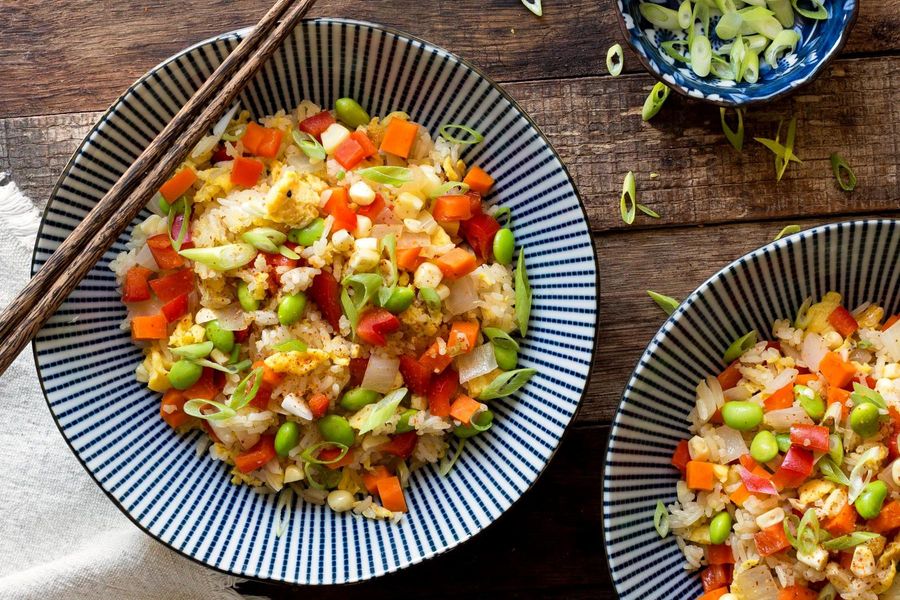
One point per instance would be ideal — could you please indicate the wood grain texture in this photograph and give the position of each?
(85, 67)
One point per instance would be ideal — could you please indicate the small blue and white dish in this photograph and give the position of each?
(854, 258)
(820, 41)
(185, 499)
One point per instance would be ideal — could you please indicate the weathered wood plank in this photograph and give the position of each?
(548, 546)
(51, 66)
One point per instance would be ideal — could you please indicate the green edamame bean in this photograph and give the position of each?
(836, 449)
(350, 112)
(335, 428)
(399, 300)
(221, 338)
(308, 235)
(764, 447)
(248, 302)
(184, 374)
(356, 398)
(810, 401)
(742, 415)
(864, 419)
(504, 246)
(403, 425)
(784, 442)
(507, 358)
(869, 502)
(720, 528)
(286, 438)
(291, 308)
(483, 420)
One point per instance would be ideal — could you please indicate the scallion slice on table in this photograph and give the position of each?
(735, 137)
(654, 101)
(788, 230)
(841, 169)
(473, 137)
(784, 155)
(661, 519)
(667, 303)
(627, 208)
(615, 58)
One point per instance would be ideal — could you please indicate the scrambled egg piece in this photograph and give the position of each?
(294, 199)
(296, 363)
(477, 385)
(187, 332)
(216, 184)
(156, 369)
(816, 318)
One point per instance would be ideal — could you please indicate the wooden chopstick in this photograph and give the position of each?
(87, 243)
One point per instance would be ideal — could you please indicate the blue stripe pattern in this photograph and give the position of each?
(86, 361)
(852, 258)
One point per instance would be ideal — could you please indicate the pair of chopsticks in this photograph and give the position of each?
(81, 250)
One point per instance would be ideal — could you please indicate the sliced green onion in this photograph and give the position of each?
(310, 146)
(827, 593)
(350, 310)
(685, 14)
(430, 297)
(365, 287)
(449, 188)
(701, 55)
(222, 258)
(669, 48)
(182, 206)
(446, 464)
(785, 41)
(756, 43)
(192, 407)
(667, 303)
(750, 67)
(504, 212)
(735, 138)
(720, 68)
(309, 455)
(394, 176)
(241, 396)
(660, 16)
(850, 540)
(291, 346)
(783, 154)
(481, 422)
(840, 166)
(736, 55)
(615, 60)
(739, 346)
(534, 6)
(808, 532)
(791, 521)
(500, 338)
(288, 253)
(473, 136)
(729, 26)
(628, 209)
(647, 211)
(235, 354)
(389, 243)
(523, 294)
(862, 395)
(802, 318)
(831, 471)
(661, 519)
(283, 511)
(265, 239)
(819, 14)
(506, 383)
(836, 449)
(383, 410)
(230, 369)
(341, 174)
(193, 351)
(237, 134)
(760, 20)
(313, 471)
(864, 345)
(783, 12)
(788, 230)
(654, 101)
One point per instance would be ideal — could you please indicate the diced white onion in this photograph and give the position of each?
(379, 231)
(144, 257)
(144, 309)
(222, 124)
(231, 318)
(733, 444)
(476, 363)
(813, 351)
(208, 142)
(782, 419)
(297, 406)
(709, 398)
(381, 373)
(781, 380)
(463, 296)
(890, 339)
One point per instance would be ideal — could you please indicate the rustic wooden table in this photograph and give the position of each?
(62, 62)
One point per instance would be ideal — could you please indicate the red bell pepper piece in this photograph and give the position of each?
(173, 285)
(317, 124)
(442, 389)
(257, 456)
(810, 437)
(242, 335)
(784, 479)
(262, 141)
(416, 376)
(401, 445)
(479, 232)
(219, 154)
(681, 456)
(363, 140)
(798, 460)
(246, 171)
(354, 150)
(175, 308)
(163, 253)
(136, 287)
(730, 376)
(279, 260)
(358, 368)
(771, 540)
(755, 483)
(338, 206)
(843, 322)
(474, 202)
(374, 324)
(719, 554)
(374, 209)
(318, 405)
(325, 291)
(715, 576)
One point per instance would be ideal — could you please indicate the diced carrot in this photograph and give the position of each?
(714, 594)
(433, 360)
(246, 171)
(740, 495)
(447, 209)
(399, 137)
(463, 336)
(719, 554)
(163, 253)
(206, 388)
(173, 285)
(270, 377)
(338, 206)
(478, 180)
(771, 540)
(151, 327)
(177, 417)
(257, 456)
(349, 153)
(456, 263)
(408, 258)
(840, 396)
(843, 322)
(681, 456)
(890, 322)
(797, 592)
(838, 372)
(806, 378)
(699, 475)
(318, 405)
(888, 519)
(391, 494)
(783, 398)
(463, 408)
(373, 476)
(842, 523)
(136, 287)
(178, 184)
(402, 444)
(730, 376)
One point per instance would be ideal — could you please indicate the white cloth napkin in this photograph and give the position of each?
(60, 538)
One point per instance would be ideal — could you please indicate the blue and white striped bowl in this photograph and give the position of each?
(857, 259)
(86, 362)
(820, 42)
